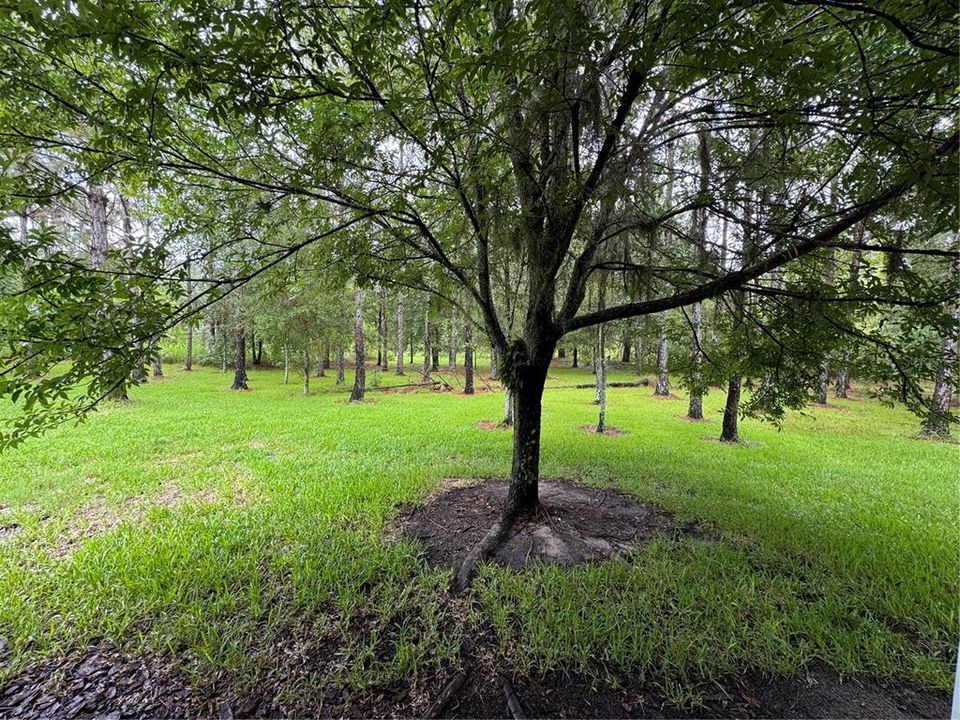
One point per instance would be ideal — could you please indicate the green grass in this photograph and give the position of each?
(205, 524)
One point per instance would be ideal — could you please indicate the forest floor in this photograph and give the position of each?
(199, 551)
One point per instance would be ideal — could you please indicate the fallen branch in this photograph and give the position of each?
(431, 383)
(446, 695)
(513, 702)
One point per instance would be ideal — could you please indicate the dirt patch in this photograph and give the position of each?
(490, 425)
(608, 431)
(577, 524)
(103, 683)
(822, 694)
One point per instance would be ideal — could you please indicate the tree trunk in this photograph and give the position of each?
(525, 473)
(321, 369)
(494, 369)
(380, 340)
(627, 347)
(426, 339)
(97, 200)
(576, 357)
(360, 378)
(468, 359)
(240, 362)
(561, 353)
(638, 353)
(938, 418)
(306, 370)
(385, 332)
(452, 349)
(326, 356)
(340, 362)
(188, 354)
(822, 383)
(843, 377)
(286, 363)
(401, 334)
(259, 351)
(695, 411)
(663, 374)
(435, 358)
(155, 359)
(601, 378)
(731, 411)
(508, 408)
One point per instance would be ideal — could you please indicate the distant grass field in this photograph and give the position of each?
(204, 523)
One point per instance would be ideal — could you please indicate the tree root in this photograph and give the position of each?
(495, 536)
(513, 702)
(447, 694)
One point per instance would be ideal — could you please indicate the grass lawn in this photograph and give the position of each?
(206, 525)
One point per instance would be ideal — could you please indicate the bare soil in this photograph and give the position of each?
(608, 431)
(576, 524)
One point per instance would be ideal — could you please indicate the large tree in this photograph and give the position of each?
(449, 142)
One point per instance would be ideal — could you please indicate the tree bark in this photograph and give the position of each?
(494, 365)
(822, 383)
(467, 359)
(286, 363)
(601, 379)
(188, 354)
(385, 331)
(452, 349)
(525, 473)
(340, 362)
(695, 411)
(663, 373)
(426, 338)
(401, 334)
(435, 358)
(938, 418)
(627, 347)
(508, 408)
(97, 199)
(155, 359)
(240, 361)
(731, 411)
(360, 377)
(576, 357)
(306, 370)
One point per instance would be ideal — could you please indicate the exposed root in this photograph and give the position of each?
(447, 694)
(513, 702)
(495, 536)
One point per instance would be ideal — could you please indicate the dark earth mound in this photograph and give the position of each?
(576, 524)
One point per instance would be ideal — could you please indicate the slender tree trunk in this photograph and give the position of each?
(427, 354)
(360, 379)
(412, 349)
(843, 377)
(731, 411)
(401, 334)
(627, 347)
(286, 362)
(435, 358)
(188, 354)
(601, 378)
(306, 370)
(467, 359)
(663, 373)
(321, 363)
(576, 357)
(326, 356)
(340, 362)
(508, 408)
(385, 331)
(380, 340)
(695, 411)
(97, 199)
(452, 348)
(638, 352)
(259, 351)
(240, 361)
(494, 364)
